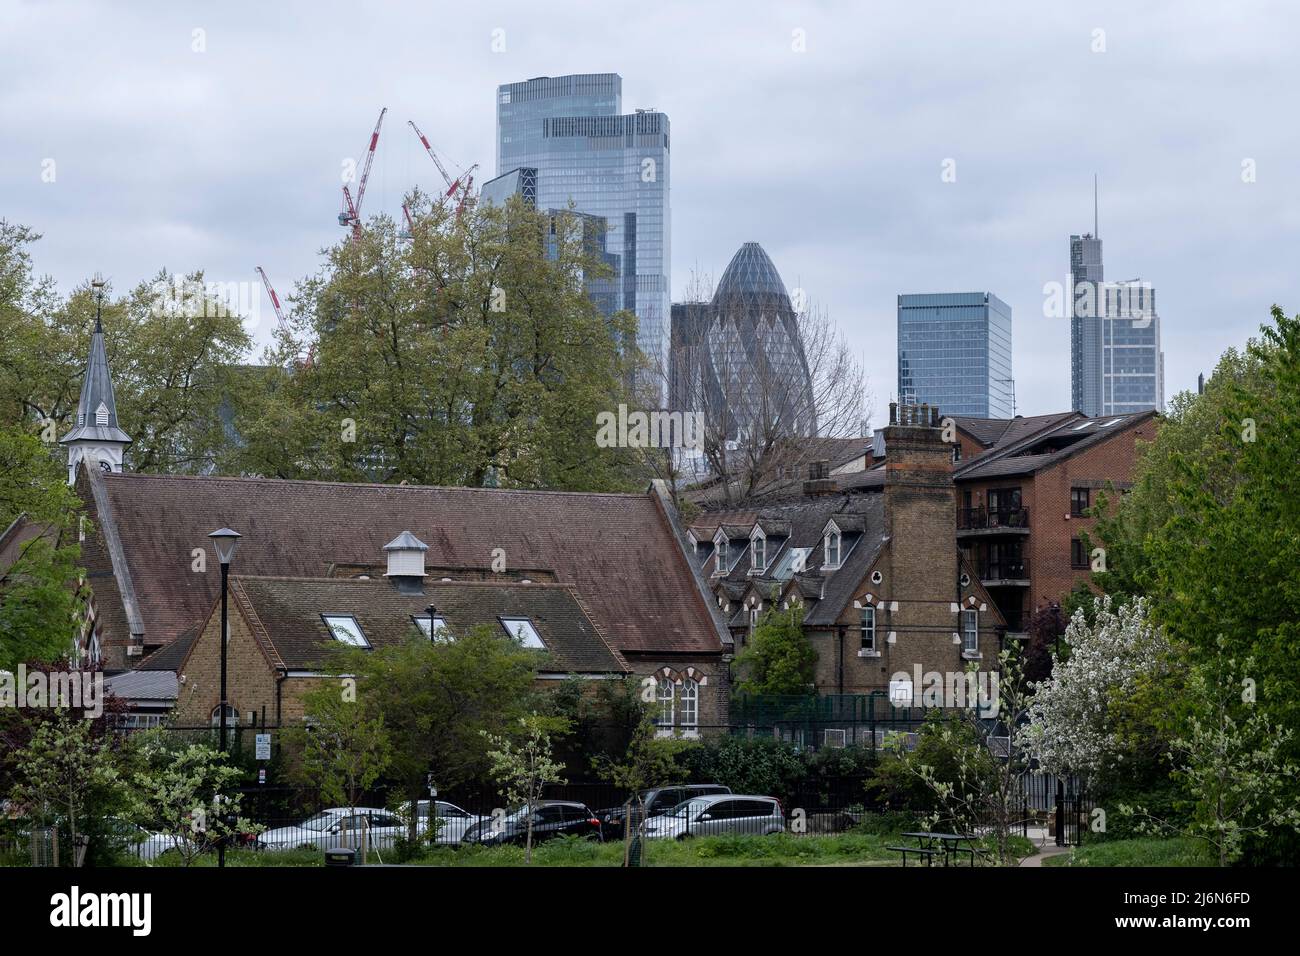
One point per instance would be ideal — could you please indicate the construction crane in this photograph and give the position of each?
(279, 313)
(351, 213)
(461, 184)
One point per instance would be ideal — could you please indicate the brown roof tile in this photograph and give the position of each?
(618, 550)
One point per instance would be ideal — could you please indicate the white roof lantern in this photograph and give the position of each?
(406, 556)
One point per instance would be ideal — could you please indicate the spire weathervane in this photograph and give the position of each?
(98, 284)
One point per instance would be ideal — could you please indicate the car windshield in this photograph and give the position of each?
(320, 821)
(687, 808)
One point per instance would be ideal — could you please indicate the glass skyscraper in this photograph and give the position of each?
(954, 351)
(1116, 365)
(587, 153)
(739, 358)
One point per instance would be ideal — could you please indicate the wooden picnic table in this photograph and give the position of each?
(931, 844)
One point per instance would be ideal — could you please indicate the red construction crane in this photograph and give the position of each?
(351, 214)
(279, 313)
(275, 299)
(461, 184)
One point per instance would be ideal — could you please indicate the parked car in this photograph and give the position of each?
(455, 821)
(657, 800)
(551, 818)
(716, 815)
(336, 828)
(139, 842)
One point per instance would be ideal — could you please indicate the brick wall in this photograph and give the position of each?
(1047, 496)
(250, 679)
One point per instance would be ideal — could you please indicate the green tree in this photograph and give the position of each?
(60, 770)
(1230, 760)
(1211, 530)
(40, 607)
(174, 344)
(186, 792)
(779, 658)
(469, 354)
(436, 699)
(524, 766)
(344, 749)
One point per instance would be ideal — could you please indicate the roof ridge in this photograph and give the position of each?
(379, 484)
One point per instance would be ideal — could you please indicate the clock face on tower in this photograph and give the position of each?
(105, 465)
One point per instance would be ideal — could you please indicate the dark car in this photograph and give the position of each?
(657, 800)
(551, 818)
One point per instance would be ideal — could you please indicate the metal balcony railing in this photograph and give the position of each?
(981, 518)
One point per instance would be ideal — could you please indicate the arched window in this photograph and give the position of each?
(690, 704)
(832, 555)
(667, 691)
(232, 721)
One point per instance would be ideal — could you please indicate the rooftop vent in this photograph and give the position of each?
(406, 562)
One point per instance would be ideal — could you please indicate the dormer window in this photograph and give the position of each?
(721, 544)
(101, 415)
(832, 545)
(758, 551)
(522, 630)
(345, 629)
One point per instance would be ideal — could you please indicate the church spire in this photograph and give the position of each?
(96, 437)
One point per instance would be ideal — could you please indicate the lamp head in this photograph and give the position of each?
(225, 541)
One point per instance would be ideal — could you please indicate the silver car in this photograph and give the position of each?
(454, 821)
(728, 813)
(337, 828)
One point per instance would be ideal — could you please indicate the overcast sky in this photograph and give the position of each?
(222, 149)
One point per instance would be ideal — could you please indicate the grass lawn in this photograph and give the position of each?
(1178, 851)
(843, 849)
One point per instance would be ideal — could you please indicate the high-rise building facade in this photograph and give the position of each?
(1116, 365)
(954, 351)
(604, 163)
(739, 359)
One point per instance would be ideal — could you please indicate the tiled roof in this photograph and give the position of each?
(288, 614)
(618, 550)
(170, 656)
(1044, 447)
(862, 519)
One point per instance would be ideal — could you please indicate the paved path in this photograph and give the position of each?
(1043, 853)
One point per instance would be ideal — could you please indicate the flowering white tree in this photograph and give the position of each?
(1072, 726)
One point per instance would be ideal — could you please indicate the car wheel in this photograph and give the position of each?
(685, 836)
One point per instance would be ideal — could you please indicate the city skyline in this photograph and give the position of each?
(833, 157)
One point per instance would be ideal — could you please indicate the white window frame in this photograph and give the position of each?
(329, 620)
(758, 551)
(833, 535)
(439, 631)
(720, 549)
(666, 698)
(524, 631)
(865, 628)
(690, 698)
(968, 616)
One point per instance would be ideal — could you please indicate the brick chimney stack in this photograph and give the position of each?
(920, 505)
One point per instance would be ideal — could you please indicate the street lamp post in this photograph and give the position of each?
(225, 542)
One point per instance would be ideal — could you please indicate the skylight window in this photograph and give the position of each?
(1079, 428)
(346, 630)
(522, 630)
(439, 630)
(1113, 421)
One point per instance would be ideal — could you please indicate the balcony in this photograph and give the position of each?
(1005, 572)
(972, 522)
